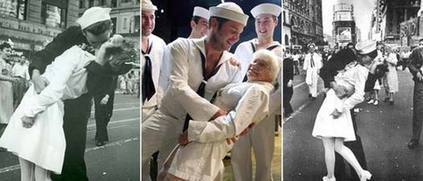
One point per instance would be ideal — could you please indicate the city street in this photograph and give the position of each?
(116, 161)
(385, 130)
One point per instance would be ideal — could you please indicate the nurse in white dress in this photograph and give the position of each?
(161, 130)
(35, 132)
(247, 103)
(333, 121)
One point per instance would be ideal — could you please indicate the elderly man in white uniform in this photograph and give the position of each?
(261, 137)
(312, 65)
(204, 142)
(153, 50)
(200, 68)
(199, 22)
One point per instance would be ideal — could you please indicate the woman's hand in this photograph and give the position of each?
(27, 122)
(183, 138)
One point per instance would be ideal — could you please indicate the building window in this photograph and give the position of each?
(102, 2)
(114, 3)
(125, 1)
(53, 16)
(137, 24)
(22, 4)
(90, 3)
(114, 20)
(81, 4)
(11, 8)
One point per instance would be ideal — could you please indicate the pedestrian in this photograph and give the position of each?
(6, 90)
(390, 80)
(376, 73)
(260, 139)
(199, 22)
(415, 67)
(103, 112)
(204, 145)
(35, 133)
(333, 122)
(312, 65)
(296, 59)
(187, 95)
(288, 79)
(20, 71)
(93, 28)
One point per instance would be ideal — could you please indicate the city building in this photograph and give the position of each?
(30, 24)
(344, 28)
(286, 26)
(305, 18)
(394, 21)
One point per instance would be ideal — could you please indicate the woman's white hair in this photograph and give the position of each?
(271, 59)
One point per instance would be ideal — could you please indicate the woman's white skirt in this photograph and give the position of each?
(326, 126)
(44, 143)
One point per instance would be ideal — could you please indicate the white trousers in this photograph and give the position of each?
(261, 138)
(159, 133)
(32, 172)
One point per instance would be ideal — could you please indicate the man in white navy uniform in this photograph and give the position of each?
(199, 22)
(261, 136)
(153, 50)
(312, 65)
(200, 67)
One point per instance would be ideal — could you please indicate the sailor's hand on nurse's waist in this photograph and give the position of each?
(183, 138)
(335, 114)
(39, 82)
(219, 113)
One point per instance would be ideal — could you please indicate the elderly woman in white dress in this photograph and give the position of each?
(205, 144)
(35, 132)
(333, 121)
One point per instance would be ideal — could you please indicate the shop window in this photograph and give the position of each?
(13, 8)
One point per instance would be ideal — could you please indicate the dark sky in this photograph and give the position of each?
(173, 17)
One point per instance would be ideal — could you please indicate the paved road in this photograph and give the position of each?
(384, 129)
(116, 161)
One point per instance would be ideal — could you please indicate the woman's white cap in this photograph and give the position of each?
(266, 8)
(365, 47)
(230, 11)
(201, 12)
(148, 5)
(93, 15)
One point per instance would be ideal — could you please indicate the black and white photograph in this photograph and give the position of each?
(69, 90)
(211, 97)
(353, 104)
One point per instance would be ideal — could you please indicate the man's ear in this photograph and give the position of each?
(192, 24)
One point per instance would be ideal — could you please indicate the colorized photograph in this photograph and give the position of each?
(69, 90)
(353, 103)
(211, 90)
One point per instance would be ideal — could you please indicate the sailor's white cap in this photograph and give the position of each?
(365, 47)
(266, 8)
(230, 11)
(201, 12)
(93, 15)
(148, 5)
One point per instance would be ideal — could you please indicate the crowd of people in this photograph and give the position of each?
(200, 101)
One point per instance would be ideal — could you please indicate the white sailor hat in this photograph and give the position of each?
(365, 47)
(201, 12)
(93, 15)
(266, 8)
(230, 11)
(148, 5)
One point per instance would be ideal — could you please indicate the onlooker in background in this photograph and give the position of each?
(390, 81)
(20, 71)
(312, 65)
(288, 77)
(296, 58)
(6, 90)
(103, 112)
(199, 22)
(415, 67)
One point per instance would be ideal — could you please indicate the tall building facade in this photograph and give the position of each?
(286, 25)
(30, 24)
(305, 18)
(344, 28)
(388, 17)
